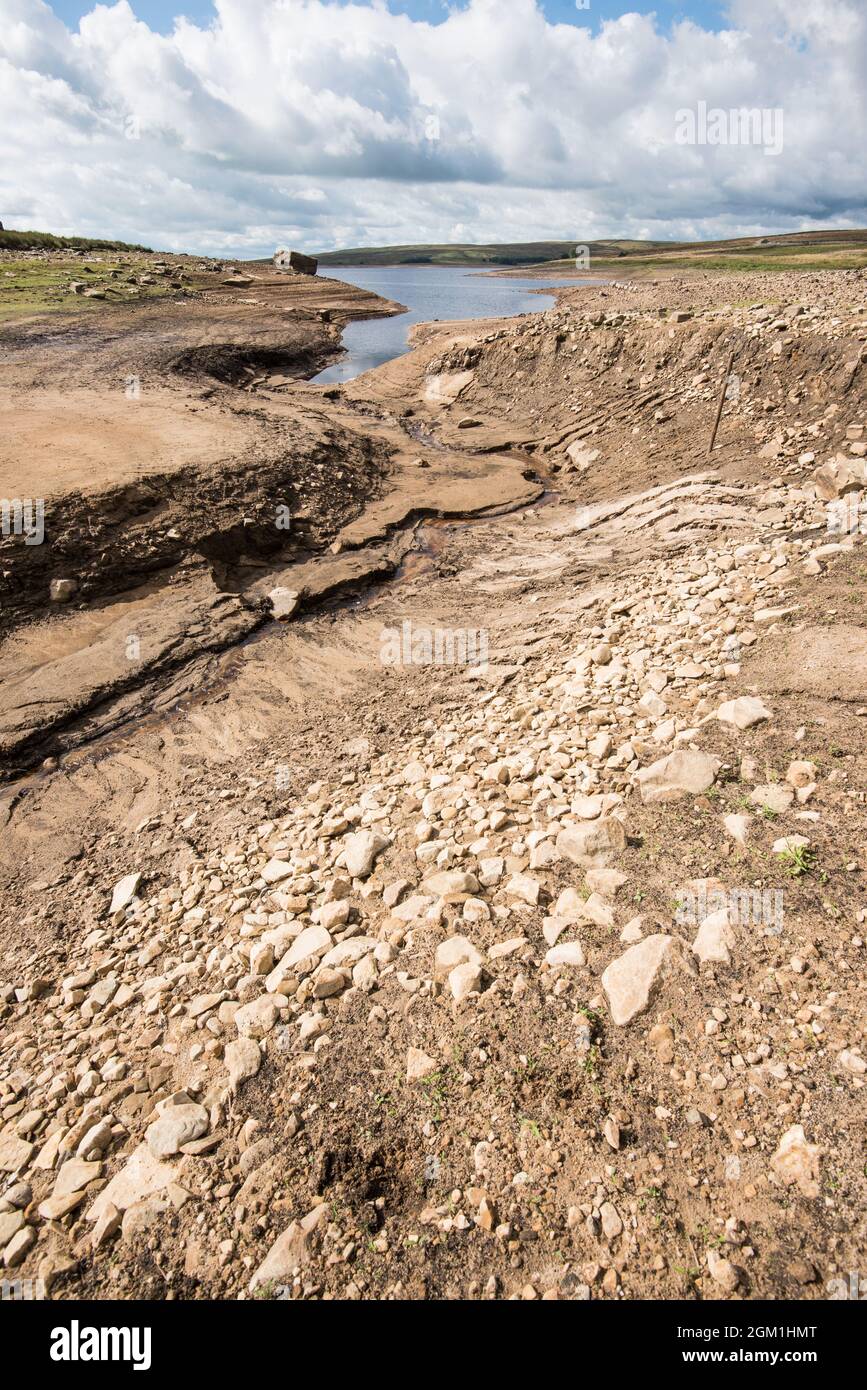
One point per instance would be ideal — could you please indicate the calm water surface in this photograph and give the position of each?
(429, 292)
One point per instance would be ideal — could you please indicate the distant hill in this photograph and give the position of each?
(790, 250)
(46, 241)
(510, 253)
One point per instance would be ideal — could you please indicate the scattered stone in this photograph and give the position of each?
(419, 1065)
(801, 774)
(743, 712)
(716, 939)
(74, 1176)
(290, 1251)
(361, 850)
(738, 826)
(612, 1226)
(631, 981)
(276, 870)
(256, 1019)
(284, 603)
(464, 980)
(243, 1059)
(568, 953)
(123, 893)
(593, 845)
(684, 773)
(15, 1153)
(796, 1163)
(19, 1247)
(10, 1224)
(176, 1126)
(62, 590)
(455, 951)
(451, 881)
(722, 1271)
(775, 796)
(661, 1039)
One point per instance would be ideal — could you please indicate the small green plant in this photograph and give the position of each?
(591, 1062)
(797, 860)
(265, 1291)
(435, 1085)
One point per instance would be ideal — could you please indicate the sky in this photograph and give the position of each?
(160, 15)
(237, 126)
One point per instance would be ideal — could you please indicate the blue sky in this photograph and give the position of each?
(159, 14)
(307, 124)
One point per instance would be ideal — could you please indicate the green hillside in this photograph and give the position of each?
(789, 251)
(509, 253)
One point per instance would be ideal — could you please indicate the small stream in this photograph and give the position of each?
(431, 293)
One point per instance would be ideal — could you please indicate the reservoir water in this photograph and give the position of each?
(429, 292)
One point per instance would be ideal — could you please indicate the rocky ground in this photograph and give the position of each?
(495, 931)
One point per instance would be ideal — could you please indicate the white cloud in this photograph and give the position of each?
(308, 121)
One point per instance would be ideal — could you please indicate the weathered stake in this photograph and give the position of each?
(722, 401)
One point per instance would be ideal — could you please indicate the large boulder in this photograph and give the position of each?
(294, 261)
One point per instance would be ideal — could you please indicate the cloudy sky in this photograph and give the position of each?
(235, 126)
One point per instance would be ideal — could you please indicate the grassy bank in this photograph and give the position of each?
(46, 241)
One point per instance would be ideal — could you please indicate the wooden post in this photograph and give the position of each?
(722, 401)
